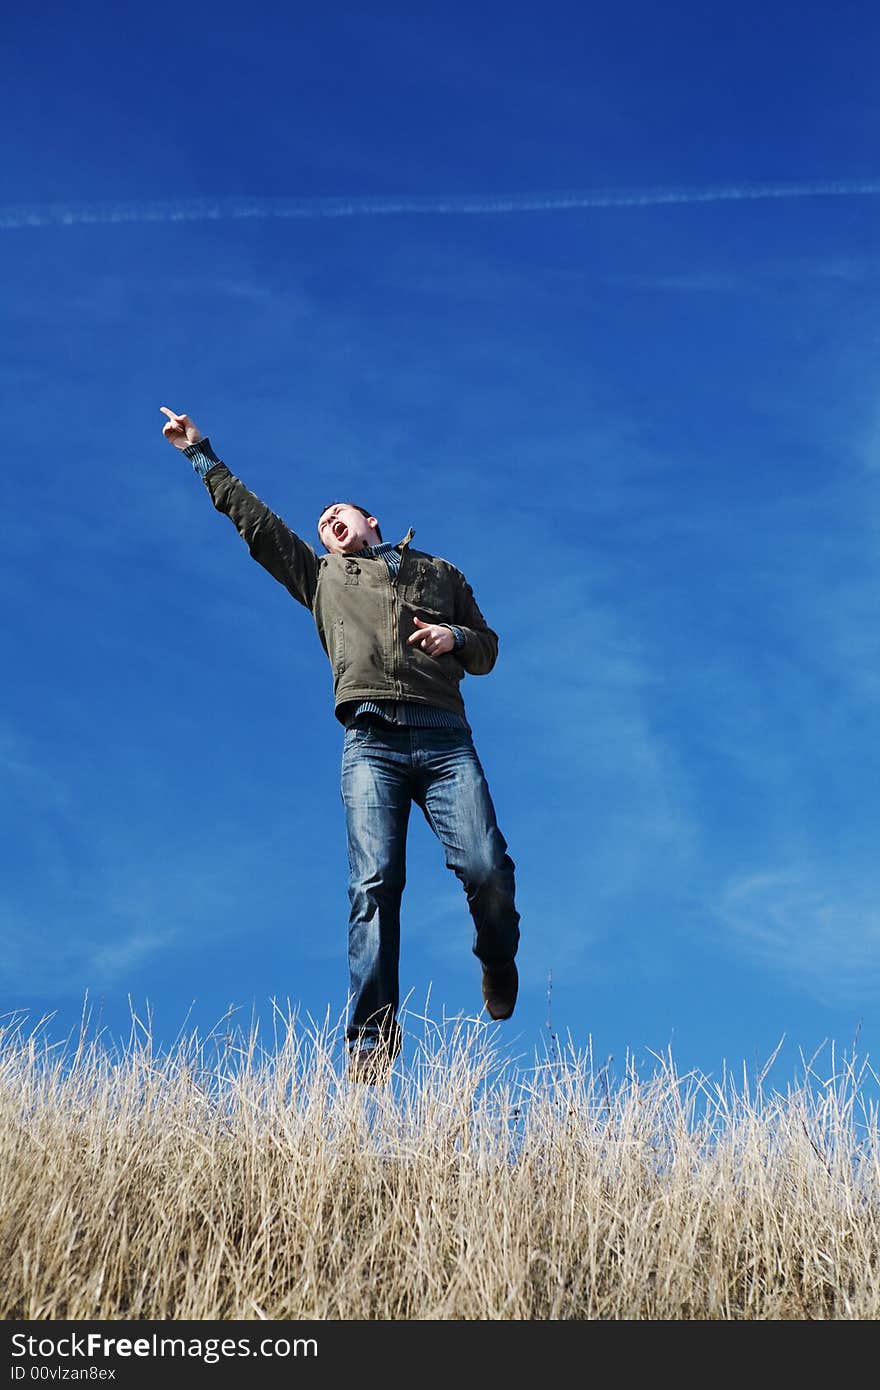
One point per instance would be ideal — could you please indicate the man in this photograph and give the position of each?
(400, 628)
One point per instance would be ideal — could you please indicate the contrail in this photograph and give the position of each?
(455, 205)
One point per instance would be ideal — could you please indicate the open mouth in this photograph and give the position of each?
(340, 530)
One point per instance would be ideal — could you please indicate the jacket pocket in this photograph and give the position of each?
(338, 647)
(429, 589)
(451, 667)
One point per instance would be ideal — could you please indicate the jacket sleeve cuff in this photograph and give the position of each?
(457, 633)
(201, 456)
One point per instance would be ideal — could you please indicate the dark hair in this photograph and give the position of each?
(363, 511)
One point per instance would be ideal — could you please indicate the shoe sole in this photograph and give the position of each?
(505, 1004)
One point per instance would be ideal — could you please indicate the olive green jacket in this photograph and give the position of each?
(363, 614)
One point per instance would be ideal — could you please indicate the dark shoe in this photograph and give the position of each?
(500, 985)
(370, 1066)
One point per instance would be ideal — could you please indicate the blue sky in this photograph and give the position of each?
(648, 434)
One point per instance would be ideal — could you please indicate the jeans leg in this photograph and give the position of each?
(454, 795)
(376, 796)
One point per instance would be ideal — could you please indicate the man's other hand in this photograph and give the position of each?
(433, 638)
(179, 430)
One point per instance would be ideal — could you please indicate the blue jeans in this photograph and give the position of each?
(384, 770)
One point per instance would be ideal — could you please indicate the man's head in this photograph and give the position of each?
(344, 528)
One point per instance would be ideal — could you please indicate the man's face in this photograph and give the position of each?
(342, 529)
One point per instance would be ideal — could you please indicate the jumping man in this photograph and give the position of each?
(400, 628)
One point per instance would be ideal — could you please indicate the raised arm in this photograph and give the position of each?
(287, 557)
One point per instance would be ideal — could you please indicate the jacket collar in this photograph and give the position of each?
(374, 549)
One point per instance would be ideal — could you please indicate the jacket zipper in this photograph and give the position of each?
(395, 626)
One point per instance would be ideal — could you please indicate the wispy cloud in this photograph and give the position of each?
(42, 961)
(791, 271)
(817, 929)
(93, 901)
(449, 205)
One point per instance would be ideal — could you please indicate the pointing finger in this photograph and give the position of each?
(170, 413)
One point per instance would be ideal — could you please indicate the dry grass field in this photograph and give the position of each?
(235, 1177)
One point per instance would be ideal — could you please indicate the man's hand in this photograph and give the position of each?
(179, 430)
(433, 638)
